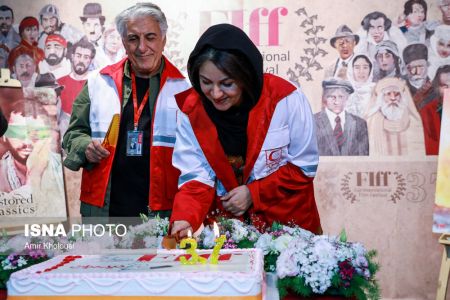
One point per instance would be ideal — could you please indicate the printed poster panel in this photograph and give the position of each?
(441, 217)
(31, 179)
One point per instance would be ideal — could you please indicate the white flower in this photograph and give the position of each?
(263, 243)
(287, 264)
(21, 261)
(208, 238)
(239, 231)
(281, 243)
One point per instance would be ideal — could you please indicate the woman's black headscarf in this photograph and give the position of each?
(231, 125)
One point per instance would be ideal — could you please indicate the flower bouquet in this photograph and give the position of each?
(306, 264)
(18, 261)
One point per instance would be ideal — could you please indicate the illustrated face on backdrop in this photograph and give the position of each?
(22, 134)
(81, 59)
(144, 45)
(6, 21)
(385, 60)
(417, 16)
(49, 23)
(24, 68)
(113, 42)
(345, 46)
(444, 83)
(223, 92)
(93, 29)
(361, 70)
(393, 105)
(376, 29)
(443, 48)
(54, 53)
(335, 99)
(445, 9)
(417, 72)
(30, 34)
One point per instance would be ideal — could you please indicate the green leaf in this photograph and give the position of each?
(343, 236)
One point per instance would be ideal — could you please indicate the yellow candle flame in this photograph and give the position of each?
(216, 230)
(189, 235)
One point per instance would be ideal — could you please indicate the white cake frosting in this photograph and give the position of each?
(240, 274)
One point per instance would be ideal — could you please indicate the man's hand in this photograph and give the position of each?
(95, 152)
(237, 201)
(181, 227)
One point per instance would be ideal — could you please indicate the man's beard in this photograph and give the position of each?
(50, 29)
(25, 76)
(393, 112)
(4, 29)
(417, 82)
(82, 70)
(53, 59)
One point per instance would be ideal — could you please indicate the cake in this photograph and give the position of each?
(238, 275)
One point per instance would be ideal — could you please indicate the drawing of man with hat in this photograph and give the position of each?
(415, 57)
(55, 56)
(344, 41)
(93, 22)
(339, 133)
(51, 23)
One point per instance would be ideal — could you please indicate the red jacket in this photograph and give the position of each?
(286, 195)
(163, 176)
(431, 121)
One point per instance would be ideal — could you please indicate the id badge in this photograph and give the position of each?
(134, 142)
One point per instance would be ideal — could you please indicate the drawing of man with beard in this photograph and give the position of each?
(394, 125)
(55, 57)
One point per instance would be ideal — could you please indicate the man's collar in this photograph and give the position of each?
(127, 69)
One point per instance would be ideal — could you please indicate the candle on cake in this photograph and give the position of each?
(220, 240)
(195, 258)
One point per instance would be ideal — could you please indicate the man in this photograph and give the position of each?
(344, 41)
(444, 6)
(24, 68)
(28, 30)
(51, 23)
(55, 57)
(116, 179)
(387, 61)
(81, 58)
(378, 28)
(93, 22)
(393, 122)
(415, 57)
(339, 132)
(431, 113)
(26, 126)
(9, 38)
(93, 25)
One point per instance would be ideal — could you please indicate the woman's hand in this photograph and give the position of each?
(237, 201)
(182, 227)
(95, 152)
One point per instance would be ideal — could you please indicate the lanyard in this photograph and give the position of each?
(137, 112)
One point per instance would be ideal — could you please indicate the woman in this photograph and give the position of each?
(246, 145)
(29, 32)
(439, 50)
(360, 76)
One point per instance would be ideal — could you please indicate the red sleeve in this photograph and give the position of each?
(192, 203)
(286, 196)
